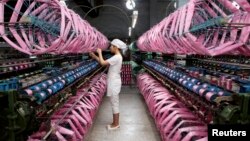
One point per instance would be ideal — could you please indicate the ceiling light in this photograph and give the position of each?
(130, 4)
(134, 18)
(129, 31)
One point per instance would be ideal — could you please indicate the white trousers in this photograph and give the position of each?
(114, 99)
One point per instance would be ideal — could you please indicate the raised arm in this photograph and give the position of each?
(101, 60)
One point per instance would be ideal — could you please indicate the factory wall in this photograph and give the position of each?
(158, 9)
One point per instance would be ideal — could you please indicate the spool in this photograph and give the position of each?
(235, 87)
(208, 77)
(180, 80)
(205, 85)
(213, 89)
(221, 93)
(11, 68)
(55, 80)
(50, 82)
(229, 84)
(5, 69)
(201, 75)
(184, 82)
(190, 85)
(210, 96)
(29, 92)
(40, 96)
(171, 75)
(60, 85)
(75, 76)
(214, 80)
(175, 77)
(44, 85)
(223, 81)
(71, 78)
(37, 88)
(195, 88)
(195, 81)
(54, 89)
(63, 81)
(49, 90)
(201, 91)
(196, 74)
(21, 67)
(68, 80)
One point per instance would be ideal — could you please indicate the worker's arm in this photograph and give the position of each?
(100, 58)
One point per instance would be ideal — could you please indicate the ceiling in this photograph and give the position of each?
(86, 5)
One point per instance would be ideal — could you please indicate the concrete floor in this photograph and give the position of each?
(135, 122)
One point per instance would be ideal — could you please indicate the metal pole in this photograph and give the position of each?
(80, 6)
(11, 116)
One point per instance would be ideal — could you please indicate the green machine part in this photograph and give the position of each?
(245, 108)
(149, 55)
(26, 119)
(228, 114)
(135, 68)
(235, 114)
(17, 118)
(133, 47)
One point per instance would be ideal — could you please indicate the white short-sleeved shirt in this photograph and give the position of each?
(114, 75)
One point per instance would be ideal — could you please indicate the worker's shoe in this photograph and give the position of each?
(111, 127)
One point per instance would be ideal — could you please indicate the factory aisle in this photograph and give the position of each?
(136, 123)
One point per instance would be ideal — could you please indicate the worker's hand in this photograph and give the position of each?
(99, 51)
(91, 54)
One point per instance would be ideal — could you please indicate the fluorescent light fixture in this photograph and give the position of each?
(129, 31)
(235, 4)
(130, 4)
(134, 18)
(134, 23)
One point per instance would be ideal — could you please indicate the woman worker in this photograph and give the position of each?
(114, 78)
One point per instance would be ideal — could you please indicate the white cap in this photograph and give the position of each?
(120, 44)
